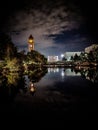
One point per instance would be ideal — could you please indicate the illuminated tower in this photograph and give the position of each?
(30, 43)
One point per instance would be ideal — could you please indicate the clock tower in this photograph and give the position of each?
(30, 43)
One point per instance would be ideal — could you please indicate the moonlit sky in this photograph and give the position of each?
(56, 25)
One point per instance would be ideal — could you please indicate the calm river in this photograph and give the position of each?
(54, 93)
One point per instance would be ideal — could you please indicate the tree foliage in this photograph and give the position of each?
(7, 48)
(36, 57)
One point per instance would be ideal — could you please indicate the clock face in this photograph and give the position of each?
(30, 40)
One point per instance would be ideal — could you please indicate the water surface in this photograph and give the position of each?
(51, 94)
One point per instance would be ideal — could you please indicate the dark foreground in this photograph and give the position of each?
(78, 106)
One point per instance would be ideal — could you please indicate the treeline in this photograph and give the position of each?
(92, 56)
(84, 58)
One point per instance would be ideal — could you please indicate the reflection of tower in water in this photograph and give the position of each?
(32, 88)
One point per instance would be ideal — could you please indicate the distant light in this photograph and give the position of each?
(32, 85)
(53, 58)
(62, 55)
(32, 89)
(53, 70)
(62, 73)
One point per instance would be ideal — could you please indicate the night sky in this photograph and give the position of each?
(56, 25)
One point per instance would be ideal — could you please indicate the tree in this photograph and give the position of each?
(36, 57)
(64, 59)
(76, 57)
(71, 58)
(90, 56)
(13, 65)
(7, 48)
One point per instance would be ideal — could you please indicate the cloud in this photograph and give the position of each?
(42, 21)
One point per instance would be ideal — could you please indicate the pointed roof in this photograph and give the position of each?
(31, 37)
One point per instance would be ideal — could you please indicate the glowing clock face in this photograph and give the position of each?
(30, 40)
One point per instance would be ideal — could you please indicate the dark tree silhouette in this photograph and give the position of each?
(7, 48)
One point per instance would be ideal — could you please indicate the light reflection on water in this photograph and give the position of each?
(65, 91)
(64, 72)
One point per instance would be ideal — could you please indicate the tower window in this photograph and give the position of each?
(31, 45)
